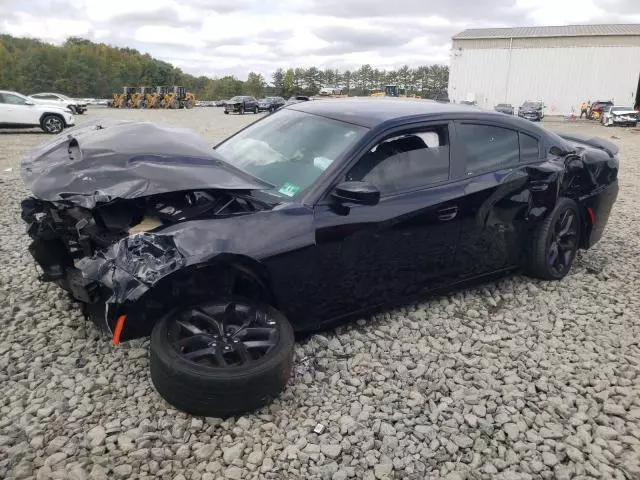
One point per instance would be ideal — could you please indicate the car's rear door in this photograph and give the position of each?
(404, 245)
(497, 159)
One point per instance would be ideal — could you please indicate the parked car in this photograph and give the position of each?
(597, 109)
(221, 103)
(76, 106)
(533, 111)
(316, 213)
(271, 104)
(241, 104)
(297, 99)
(20, 111)
(506, 108)
(624, 116)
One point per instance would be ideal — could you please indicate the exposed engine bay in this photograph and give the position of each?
(64, 232)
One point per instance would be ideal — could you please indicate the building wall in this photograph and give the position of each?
(554, 70)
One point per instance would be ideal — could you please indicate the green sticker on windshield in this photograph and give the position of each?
(289, 189)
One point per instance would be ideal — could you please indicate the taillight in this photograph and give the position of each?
(592, 215)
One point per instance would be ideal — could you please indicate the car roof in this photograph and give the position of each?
(372, 111)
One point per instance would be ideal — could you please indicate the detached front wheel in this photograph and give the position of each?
(223, 357)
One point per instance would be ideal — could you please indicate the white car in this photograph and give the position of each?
(620, 116)
(19, 111)
(49, 98)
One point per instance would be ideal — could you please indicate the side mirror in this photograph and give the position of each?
(361, 193)
(29, 102)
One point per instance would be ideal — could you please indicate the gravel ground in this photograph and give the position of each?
(517, 379)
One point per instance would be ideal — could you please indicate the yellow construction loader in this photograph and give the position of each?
(123, 100)
(140, 99)
(178, 97)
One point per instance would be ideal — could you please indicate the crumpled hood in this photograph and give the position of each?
(107, 159)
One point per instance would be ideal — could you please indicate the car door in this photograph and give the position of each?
(497, 195)
(404, 245)
(16, 111)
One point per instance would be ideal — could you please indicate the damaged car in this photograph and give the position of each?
(320, 212)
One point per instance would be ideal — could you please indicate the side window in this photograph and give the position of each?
(488, 148)
(529, 148)
(406, 162)
(13, 99)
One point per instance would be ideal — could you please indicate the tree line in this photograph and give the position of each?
(81, 68)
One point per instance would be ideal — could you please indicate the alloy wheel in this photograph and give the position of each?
(224, 334)
(563, 242)
(53, 125)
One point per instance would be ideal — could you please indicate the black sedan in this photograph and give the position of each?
(241, 104)
(316, 213)
(270, 104)
(533, 111)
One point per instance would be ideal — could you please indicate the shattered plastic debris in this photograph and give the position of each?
(319, 428)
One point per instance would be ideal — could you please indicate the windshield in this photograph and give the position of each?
(531, 105)
(620, 109)
(290, 149)
(236, 99)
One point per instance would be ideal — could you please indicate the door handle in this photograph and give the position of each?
(448, 213)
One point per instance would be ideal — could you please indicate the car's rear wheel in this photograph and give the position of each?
(555, 242)
(73, 109)
(222, 357)
(53, 124)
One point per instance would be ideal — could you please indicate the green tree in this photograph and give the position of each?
(278, 81)
(289, 81)
(254, 85)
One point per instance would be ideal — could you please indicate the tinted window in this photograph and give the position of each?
(488, 147)
(529, 149)
(406, 162)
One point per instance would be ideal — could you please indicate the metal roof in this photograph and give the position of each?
(552, 31)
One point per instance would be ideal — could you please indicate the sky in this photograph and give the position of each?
(221, 37)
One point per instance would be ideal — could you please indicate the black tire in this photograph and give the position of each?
(242, 110)
(559, 232)
(73, 109)
(256, 110)
(53, 124)
(213, 390)
(226, 113)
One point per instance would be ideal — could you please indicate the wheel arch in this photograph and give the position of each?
(200, 280)
(50, 114)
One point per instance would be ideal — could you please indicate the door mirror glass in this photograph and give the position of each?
(29, 102)
(362, 193)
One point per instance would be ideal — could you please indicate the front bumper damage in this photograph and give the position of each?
(107, 283)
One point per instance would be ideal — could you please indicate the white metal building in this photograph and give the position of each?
(562, 66)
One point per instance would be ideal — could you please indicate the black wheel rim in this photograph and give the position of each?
(562, 245)
(224, 334)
